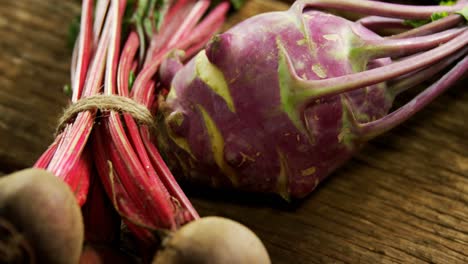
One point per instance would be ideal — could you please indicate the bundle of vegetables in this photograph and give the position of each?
(278, 102)
(130, 168)
(274, 104)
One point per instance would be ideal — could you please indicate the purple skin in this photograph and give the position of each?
(277, 103)
(169, 67)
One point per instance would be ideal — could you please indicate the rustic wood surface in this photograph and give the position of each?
(403, 199)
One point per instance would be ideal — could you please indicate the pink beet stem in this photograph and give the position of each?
(85, 48)
(125, 65)
(75, 134)
(132, 172)
(166, 176)
(82, 173)
(196, 39)
(139, 180)
(101, 8)
(113, 187)
(171, 22)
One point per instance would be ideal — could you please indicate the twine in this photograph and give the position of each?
(101, 102)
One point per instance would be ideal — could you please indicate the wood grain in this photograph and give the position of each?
(34, 66)
(403, 199)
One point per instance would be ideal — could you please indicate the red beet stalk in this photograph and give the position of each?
(127, 161)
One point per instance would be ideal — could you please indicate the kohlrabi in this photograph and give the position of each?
(281, 100)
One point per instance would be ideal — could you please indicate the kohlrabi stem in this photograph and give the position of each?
(375, 128)
(376, 8)
(382, 48)
(308, 90)
(412, 79)
(373, 22)
(433, 27)
(384, 25)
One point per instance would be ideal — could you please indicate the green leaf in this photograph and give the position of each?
(73, 32)
(237, 4)
(448, 2)
(67, 90)
(131, 80)
(162, 6)
(127, 18)
(437, 16)
(416, 22)
(148, 26)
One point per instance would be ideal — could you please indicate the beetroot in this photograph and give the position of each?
(212, 240)
(40, 220)
(281, 100)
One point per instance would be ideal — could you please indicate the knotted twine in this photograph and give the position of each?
(101, 102)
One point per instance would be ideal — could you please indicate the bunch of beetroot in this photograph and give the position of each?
(105, 152)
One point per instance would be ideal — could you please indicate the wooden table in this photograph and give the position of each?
(404, 198)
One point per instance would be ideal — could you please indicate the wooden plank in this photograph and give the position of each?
(403, 199)
(34, 66)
